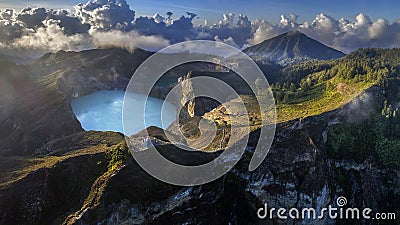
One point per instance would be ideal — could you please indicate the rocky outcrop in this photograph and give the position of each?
(188, 97)
(194, 105)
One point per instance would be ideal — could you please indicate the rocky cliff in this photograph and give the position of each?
(296, 173)
(80, 177)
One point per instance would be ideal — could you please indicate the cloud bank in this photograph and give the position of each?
(106, 23)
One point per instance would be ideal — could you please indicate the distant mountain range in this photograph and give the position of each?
(292, 46)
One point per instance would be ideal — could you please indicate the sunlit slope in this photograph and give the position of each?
(312, 88)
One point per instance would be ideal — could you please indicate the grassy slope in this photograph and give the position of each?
(13, 169)
(318, 100)
(335, 82)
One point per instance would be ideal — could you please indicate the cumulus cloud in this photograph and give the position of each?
(9, 28)
(239, 29)
(158, 18)
(191, 15)
(228, 19)
(129, 40)
(104, 23)
(343, 34)
(360, 33)
(228, 41)
(106, 14)
(98, 23)
(263, 30)
(33, 18)
(178, 30)
(51, 37)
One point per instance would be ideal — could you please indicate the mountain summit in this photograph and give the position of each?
(291, 46)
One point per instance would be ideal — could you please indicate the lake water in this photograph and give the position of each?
(102, 111)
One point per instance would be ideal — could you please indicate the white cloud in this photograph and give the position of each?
(32, 17)
(343, 34)
(228, 19)
(263, 30)
(51, 37)
(158, 18)
(228, 41)
(100, 23)
(129, 40)
(105, 14)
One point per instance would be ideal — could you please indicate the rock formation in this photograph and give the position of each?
(188, 98)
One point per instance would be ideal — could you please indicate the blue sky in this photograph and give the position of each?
(267, 9)
(271, 10)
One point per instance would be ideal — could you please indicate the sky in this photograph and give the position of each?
(267, 9)
(271, 10)
(49, 26)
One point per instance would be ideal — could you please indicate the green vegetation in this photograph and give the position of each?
(13, 169)
(357, 141)
(313, 87)
(353, 140)
(378, 136)
(117, 155)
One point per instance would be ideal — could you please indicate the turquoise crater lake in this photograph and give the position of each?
(102, 111)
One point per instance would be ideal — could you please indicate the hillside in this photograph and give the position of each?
(290, 47)
(337, 134)
(111, 188)
(311, 88)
